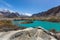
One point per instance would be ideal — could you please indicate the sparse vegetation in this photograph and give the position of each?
(6, 25)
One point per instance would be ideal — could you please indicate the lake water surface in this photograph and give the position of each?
(45, 24)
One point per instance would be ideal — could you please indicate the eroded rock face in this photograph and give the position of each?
(28, 34)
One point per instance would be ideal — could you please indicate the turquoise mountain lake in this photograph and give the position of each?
(45, 24)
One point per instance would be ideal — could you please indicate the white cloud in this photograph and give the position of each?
(27, 14)
(5, 3)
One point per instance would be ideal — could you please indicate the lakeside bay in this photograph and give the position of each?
(45, 24)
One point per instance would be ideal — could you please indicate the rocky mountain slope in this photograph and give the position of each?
(8, 14)
(27, 34)
(55, 11)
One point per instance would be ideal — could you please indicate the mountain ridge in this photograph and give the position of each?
(9, 14)
(51, 12)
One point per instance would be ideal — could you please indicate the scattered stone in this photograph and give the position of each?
(27, 34)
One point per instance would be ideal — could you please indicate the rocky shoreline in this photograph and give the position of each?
(28, 34)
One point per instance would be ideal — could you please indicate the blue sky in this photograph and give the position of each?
(28, 6)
